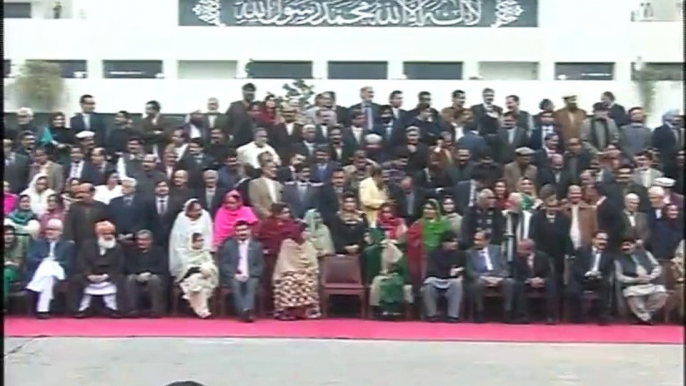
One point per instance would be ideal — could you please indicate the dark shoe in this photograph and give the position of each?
(43, 315)
(81, 315)
(603, 321)
(249, 318)
(113, 314)
(508, 318)
(522, 320)
(453, 320)
(133, 315)
(432, 319)
(550, 321)
(479, 318)
(155, 315)
(648, 322)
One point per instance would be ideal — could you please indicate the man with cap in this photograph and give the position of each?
(671, 197)
(600, 130)
(570, 117)
(520, 167)
(86, 140)
(100, 271)
(238, 121)
(419, 152)
(48, 263)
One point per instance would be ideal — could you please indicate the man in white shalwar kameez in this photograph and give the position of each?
(48, 260)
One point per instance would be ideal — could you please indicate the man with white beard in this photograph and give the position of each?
(47, 264)
(101, 270)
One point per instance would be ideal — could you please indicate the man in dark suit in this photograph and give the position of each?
(89, 120)
(145, 267)
(239, 124)
(523, 118)
(398, 114)
(162, 212)
(241, 263)
(466, 192)
(554, 175)
(213, 118)
(576, 160)
(487, 114)
(367, 107)
(616, 111)
(308, 144)
(532, 271)
(355, 134)
(196, 161)
(128, 214)
(286, 134)
(331, 195)
(77, 167)
(551, 145)
(409, 199)
(462, 168)
(340, 149)
(210, 195)
(428, 124)
(300, 195)
(472, 141)
(592, 270)
(622, 184)
(322, 167)
(543, 129)
(486, 268)
(668, 139)
(155, 129)
(16, 168)
(511, 137)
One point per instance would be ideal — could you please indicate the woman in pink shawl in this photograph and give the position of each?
(9, 199)
(228, 215)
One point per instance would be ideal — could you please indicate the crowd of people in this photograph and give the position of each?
(464, 202)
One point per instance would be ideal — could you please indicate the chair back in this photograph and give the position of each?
(667, 274)
(341, 269)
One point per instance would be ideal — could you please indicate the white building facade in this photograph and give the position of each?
(130, 51)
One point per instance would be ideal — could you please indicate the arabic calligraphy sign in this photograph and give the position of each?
(359, 13)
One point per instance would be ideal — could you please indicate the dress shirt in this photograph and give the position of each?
(596, 260)
(632, 219)
(487, 259)
(243, 257)
(248, 154)
(162, 205)
(574, 231)
(86, 121)
(357, 133)
(75, 170)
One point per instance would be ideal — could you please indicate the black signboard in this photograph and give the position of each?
(359, 13)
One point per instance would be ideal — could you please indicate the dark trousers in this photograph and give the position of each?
(243, 294)
(477, 289)
(575, 292)
(154, 288)
(549, 290)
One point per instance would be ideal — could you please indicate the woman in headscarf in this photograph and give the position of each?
(69, 195)
(15, 250)
(57, 138)
(55, 211)
(388, 227)
(296, 278)
(110, 190)
(272, 232)
(22, 213)
(450, 215)
(423, 237)
(192, 219)
(527, 189)
(38, 193)
(350, 226)
(9, 199)
(268, 114)
(318, 233)
(198, 275)
(501, 193)
(231, 212)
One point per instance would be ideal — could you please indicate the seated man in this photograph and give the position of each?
(486, 268)
(100, 272)
(241, 263)
(640, 275)
(591, 270)
(144, 269)
(444, 270)
(532, 271)
(48, 262)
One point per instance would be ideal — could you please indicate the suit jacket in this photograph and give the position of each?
(583, 162)
(474, 261)
(642, 228)
(260, 199)
(618, 114)
(39, 249)
(375, 112)
(161, 224)
(541, 267)
(97, 125)
(587, 221)
(322, 175)
(301, 148)
(583, 262)
(546, 176)
(196, 168)
(570, 122)
(229, 257)
(88, 173)
(283, 142)
(512, 173)
(128, 219)
(218, 121)
(537, 141)
(328, 203)
(300, 204)
(154, 260)
(587, 134)
(507, 150)
(666, 143)
(349, 138)
(347, 150)
(217, 199)
(17, 174)
(552, 238)
(473, 142)
(395, 137)
(151, 138)
(90, 262)
(401, 204)
(628, 144)
(653, 174)
(462, 196)
(54, 173)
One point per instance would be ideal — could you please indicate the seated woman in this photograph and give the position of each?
(450, 215)
(527, 189)
(9, 199)
(15, 249)
(198, 275)
(349, 226)
(22, 214)
(193, 219)
(296, 278)
(110, 190)
(423, 237)
(48, 263)
(272, 232)
(38, 193)
(231, 212)
(388, 227)
(318, 233)
(71, 188)
(640, 275)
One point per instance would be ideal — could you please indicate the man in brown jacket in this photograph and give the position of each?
(570, 118)
(582, 217)
(520, 167)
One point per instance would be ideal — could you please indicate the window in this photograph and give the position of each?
(358, 70)
(16, 10)
(131, 69)
(433, 70)
(660, 71)
(584, 71)
(8, 67)
(71, 68)
(207, 69)
(279, 70)
(508, 70)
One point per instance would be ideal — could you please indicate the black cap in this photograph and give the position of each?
(448, 237)
(600, 106)
(249, 87)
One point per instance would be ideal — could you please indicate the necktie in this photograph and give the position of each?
(162, 206)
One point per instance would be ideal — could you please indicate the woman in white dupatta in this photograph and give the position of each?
(193, 219)
(198, 276)
(39, 193)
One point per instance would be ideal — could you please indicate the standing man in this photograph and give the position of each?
(89, 120)
(239, 124)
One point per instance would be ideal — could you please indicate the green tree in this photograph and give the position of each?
(39, 85)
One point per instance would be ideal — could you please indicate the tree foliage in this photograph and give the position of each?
(39, 85)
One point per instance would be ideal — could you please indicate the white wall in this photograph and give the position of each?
(182, 96)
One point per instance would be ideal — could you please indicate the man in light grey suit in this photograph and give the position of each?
(300, 195)
(600, 130)
(635, 136)
(241, 263)
(644, 174)
(486, 268)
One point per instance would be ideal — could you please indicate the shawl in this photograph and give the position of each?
(9, 200)
(294, 257)
(433, 229)
(15, 252)
(391, 224)
(273, 231)
(225, 220)
(21, 217)
(320, 236)
(39, 201)
(390, 256)
(191, 257)
(181, 230)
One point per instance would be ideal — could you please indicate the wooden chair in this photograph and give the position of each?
(670, 286)
(19, 297)
(221, 293)
(341, 275)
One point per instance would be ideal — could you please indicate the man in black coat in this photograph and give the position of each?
(532, 271)
(145, 267)
(592, 270)
(331, 195)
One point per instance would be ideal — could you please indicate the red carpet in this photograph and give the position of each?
(342, 329)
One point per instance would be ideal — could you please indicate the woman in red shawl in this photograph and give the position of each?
(268, 115)
(272, 232)
(231, 212)
(502, 194)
